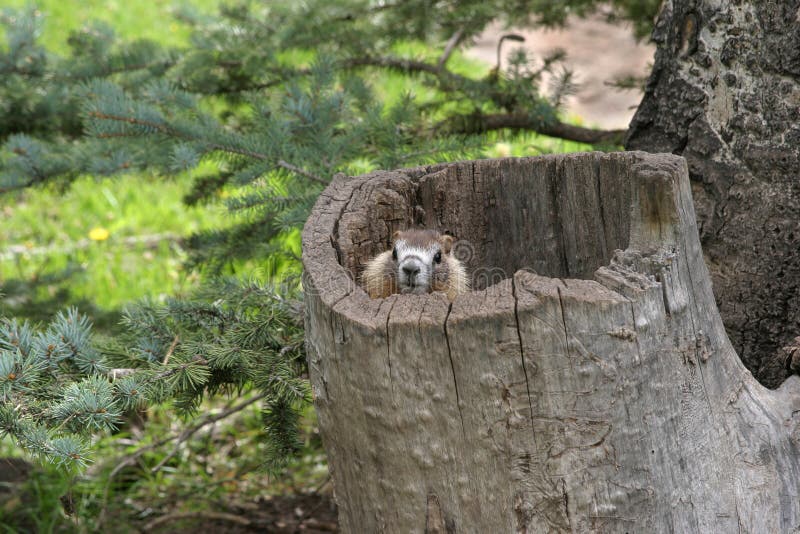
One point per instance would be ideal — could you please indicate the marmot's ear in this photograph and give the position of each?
(395, 235)
(447, 243)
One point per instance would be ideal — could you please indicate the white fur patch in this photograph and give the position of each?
(411, 259)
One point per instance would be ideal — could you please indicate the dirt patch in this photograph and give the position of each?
(307, 514)
(598, 52)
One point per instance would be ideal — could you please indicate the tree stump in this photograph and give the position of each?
(586, 384)
(724, 93)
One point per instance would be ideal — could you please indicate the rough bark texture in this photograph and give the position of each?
(599, 395)
(725, 94)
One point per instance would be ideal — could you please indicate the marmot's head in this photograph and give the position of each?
(420, 260)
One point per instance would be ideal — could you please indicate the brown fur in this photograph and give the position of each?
(380, 274)
(378, 277)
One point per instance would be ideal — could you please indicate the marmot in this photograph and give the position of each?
(418, 262)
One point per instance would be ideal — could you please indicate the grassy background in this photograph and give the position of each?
(46, 231)
(46, 255)
(151, 19)
(48, 260)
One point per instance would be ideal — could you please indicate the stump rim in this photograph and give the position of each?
(322, 267)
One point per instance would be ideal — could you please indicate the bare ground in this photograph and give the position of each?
(597, 52)
(290, 514)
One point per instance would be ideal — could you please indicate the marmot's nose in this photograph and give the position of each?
(411, 270)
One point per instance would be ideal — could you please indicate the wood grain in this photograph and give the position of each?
(587, 385)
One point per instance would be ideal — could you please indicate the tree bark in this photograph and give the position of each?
(601, 394)
(725, 94)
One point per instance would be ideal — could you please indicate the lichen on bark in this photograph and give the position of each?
(725, 94)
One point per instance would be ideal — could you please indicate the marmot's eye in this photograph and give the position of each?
(394, 253)
(438, 257)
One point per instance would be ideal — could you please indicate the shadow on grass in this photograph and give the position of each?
(38, 299)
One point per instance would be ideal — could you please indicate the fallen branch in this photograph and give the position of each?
(182, 437)
(133, 457)
(189, 432)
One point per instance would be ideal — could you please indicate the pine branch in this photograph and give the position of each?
(404, 65)
(474, 124)
(160, 127)
(169, 131)
(171, 350)
(280, 76)
(21, 185)
(110, 71)
(448, 80)
(301, 172)
(196, 362)
(450, 47)
(451, 82)
(485, 123)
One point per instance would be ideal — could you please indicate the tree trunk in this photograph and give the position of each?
(601, 394)
(725, 94)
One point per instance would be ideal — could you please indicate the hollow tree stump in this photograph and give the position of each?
(587, 384)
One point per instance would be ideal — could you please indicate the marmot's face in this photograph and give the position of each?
(419, 259)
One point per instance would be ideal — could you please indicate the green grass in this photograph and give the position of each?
(45, 231)
(31, 508)
(102, 275)
(220, 464)
(150, 19)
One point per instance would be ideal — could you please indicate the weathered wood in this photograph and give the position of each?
(724, 92)
(587, 385)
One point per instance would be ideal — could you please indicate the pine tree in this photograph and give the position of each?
(59, 386)
(54, 393)
(278, 99)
